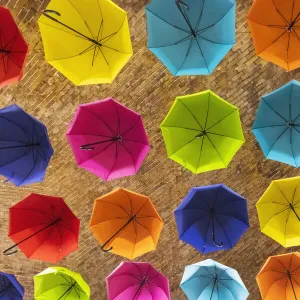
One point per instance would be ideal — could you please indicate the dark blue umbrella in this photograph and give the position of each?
(10, 288)
(25, 149)
(212, 218)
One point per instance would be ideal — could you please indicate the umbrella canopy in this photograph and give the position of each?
(211, 280)
(13, 49)
(202, 132)
(137, 281)
(10, 288)
(276, 34)
(57, 283)
(277, 124)
(212, 218)
(126, 223)
(279, 211)
(279, 277)
(25, 149)
(43, 227)
(191, 37)
(87, 41)
(108, 139)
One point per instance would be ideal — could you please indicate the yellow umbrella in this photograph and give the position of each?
(87, 41)
(279, 211)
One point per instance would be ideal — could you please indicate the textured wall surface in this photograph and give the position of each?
(146, 86)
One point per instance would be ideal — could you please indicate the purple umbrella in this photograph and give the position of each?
(10, 288)
(137, 281)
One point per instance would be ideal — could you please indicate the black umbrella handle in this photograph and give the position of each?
(8, 251)
(220, 245)
(111, 238)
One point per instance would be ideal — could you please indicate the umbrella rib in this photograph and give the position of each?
(29, 173)
(272, 43)
(221, 119)
(147, 9)
(278, 11)
(167, 126)
(227, 289)
(277, 141)
(118, 206)
(24, 154)
(230, 137)
(230, 216)
(291, 143)
(186, 56)
(146, 201)
(270, 126)
(137, 121)
(126, 149)
(200, 154)
(200, 16)
(208, 40)
(108, 37)
(280, 212)
(202, 55)
(295, 192)
(147, 230)
(115, 49)
(190, 113)
(216, 150)
(282, 193)
(229, 242)
(115, 160)
(174, 44)
(126, 140)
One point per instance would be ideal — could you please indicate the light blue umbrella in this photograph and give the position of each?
(191, 37)
(277, 124)
(210, 280)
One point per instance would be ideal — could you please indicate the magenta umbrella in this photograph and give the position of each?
(137, 281)
(108, 139)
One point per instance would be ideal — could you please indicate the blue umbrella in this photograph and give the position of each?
(10, 288)
(212, 218)
(191, 37)
(277, 124)
(25, 149)
(210, 280)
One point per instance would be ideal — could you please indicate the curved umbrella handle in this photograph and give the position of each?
(217, 244)
(8, 251)
(181, 2)
(107, 250)
(45, 11)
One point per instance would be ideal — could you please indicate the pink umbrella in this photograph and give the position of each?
(108, 139)
(137, 281)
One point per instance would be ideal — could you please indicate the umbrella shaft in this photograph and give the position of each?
(178, 3)
(15, 245)
(290, 279)
(3, 50)
(126, 224)
(72, 29)
(69, 289)
(139, 289)
(86, 146)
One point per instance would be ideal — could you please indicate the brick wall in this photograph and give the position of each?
(147, 87)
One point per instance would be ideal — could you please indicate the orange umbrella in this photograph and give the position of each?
(126, 223)
(275, 28)
(279, 278)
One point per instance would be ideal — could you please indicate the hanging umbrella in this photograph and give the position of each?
(10, 288)
(279, 211)
(57, 283)
(25, 149)
(202, 132)
(108, 139)
(137, 281)
(277, 124)
(13, 49)
(87, 41)
(211, 280)
(43, 227)
(126, 223)
(212, 218)
(276, 34)
(191, 37)
(279, 277)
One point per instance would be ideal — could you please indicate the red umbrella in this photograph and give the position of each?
(13, 49)
(43, 227)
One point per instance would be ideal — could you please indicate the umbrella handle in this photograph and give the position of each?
(218, 244)
(107, 250)
(181, 2)
(8, 251)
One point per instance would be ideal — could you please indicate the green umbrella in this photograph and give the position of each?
(202, 132)
(57, 283)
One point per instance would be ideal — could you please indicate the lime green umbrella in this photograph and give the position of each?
(202, 132)
(57, 283)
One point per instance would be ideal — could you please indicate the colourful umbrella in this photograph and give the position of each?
(211, 280)
(202, 132)
(279, 277)
(275, 30)
(212, 218)
(137, 281)
(126, 223)
(57, 283)
(279, 211)
(191, 37)
(43, 227)
(108, 139)
(277, 124)
(87, 41)
(10, 288)
(25, 149)
(13, 49)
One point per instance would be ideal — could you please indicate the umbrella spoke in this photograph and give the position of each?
(194, 117)
(278, 213)
(220, 120)
(278, 138)
(280, 14)
(216, 150)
